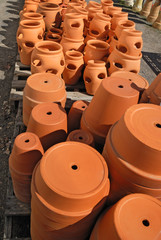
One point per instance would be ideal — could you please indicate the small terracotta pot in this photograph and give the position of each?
(42, 87)
(99, 24)
(154, 12)
(49, 122)
(96, 50)
(34, 17)
(93, 4)
(75, 114)
(123, 62)
(106, 4)
(135, 211)
(72, 44)
(146, 8)
(157, 23)
(30, 6)
(137, 5)
(54, 30)
(92, 12)
(112, 10)
(124, 24)
(83, 3)
(51, 13)
(94, 73)
(71, 7)
(110, 101)
(74, 64)
(28, 34)
(117, 17)
(48, 57)
(82, 136)
(53, 37)
(103, 36)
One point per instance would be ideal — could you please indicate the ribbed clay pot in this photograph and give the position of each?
(112, 10)
(154, 12)
(49, 122)
(75, 114)
(72, 44)
(60, 209)
(82, 136)
(99, 24)
(42, 87)
(92, 12)
(106, 4)
(124, 24)
(34, 17)
(96, 50)
(74, 64)
(123, 62)
(30, 6)
(109, 103)
(117, 17)
(146, 8)
(157, 23)
(94, 73)
(137, 5)
(51, 13)
(135, 211)
(48, 57)
(28, 34)
(27, 151)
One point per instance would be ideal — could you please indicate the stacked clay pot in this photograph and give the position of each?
(106, 4)
(54, 34)
(132, 152)
(66, 198)
(27, 151)
(136, 216)
(34, 17)
(80, 135)
(30, 6)
(109, 103)
(42, 87)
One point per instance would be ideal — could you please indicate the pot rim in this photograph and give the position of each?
(125, 56)
(48, 6)
(92, 41)
(48, 43)
(33, 15)
(26, 24)
(73, 40)
(70, 55)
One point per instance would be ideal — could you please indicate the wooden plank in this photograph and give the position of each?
(14, 207)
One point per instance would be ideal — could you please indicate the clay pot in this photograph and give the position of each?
(123, 62)
(72, 44)
(75, 114)
(74, 64)
(157, 23)
(92, 12)
(96, 50)
(135, 211)
(49, 122)
(42, 87)
(154, 12)
(57, 31)
(30, 6)
(117, 17)
(113, 10)
(34, 17)
(146, 8)
(103, 36)
(27, 151)
(83, 3)
(82, 136)
(109, 103)
(124, 24)
(106, 4)
(137, 5)
(48, 57)
(53, 37)
(71, 7)
(51, 14)
(155, 96)
(94, 73)
(28, 34)
(51, 1)
(99, 24)
(93, 4)
(113, 43)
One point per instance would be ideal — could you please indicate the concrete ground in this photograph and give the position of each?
(9, 10)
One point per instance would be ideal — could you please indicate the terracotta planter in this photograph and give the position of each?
(124, 24)
(113, 43)
(82, 136)
(49, 122)
(146, 8)
(109, 103)
(96, 50)
(27, 151)
(106, 4)
(103, 36)
(28, 34)
(113, 10)
(72, 44)
(135, 211)
(34, 17)
(74, 64)
(123, 62)
(92, 12)
(42, 87)
(48, 57)
(30, 6)
(53, 37)
(154, 11)
(71, 7)
(83, 3)
(57, 31)
(51, 13)
(137, 5)
(155, 96)
(99, 24)
(75, 114)
(94, 73)
(117, 17)
(51, 1)
(93, 4)
(157, 23)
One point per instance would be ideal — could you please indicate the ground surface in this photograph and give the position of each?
(9, 10)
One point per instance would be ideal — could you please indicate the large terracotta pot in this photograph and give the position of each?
(117, 17)
(109, 103)
(112, 10)
(154, 12)
(80, 135)
(48, 57)
(34, 17)
(146, 8)
(124, 24)
(28, 34)
(92, 12)
(49, 122)
(99, 24)
(93, 4)
(106, 4)
(72, 44)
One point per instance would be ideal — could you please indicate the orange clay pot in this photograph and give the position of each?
(72, 44)
(113, 43)
(154, 12)
(92, 12)
(30, 6)
(155, 96)
(123, 62)
(82, 3)
(99, 24)
(117, 17)
(75, 114)
(135, 211)
(93, 4)
(34, 17)
(146, 8)
(53, 37)
(48, 57)
(106, 4)
(74, 64)
(71, 7)
(96, 50)
(109, 103)
(94, 73)
(103, 36)
(51, 13)
(27, 151)
(54, 30)
(82, 136)
(112, 10)
(124, 24)
(49, 122)
(130, 42)
(42, 87)
(28, 34)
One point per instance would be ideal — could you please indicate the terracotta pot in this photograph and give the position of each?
(51, 13)
(71, 7)
(99, 24)
(42, 87)
(75, 114)
(109, 103)
(113, 43)
(123, 62)
(72, 44)
(83, 3)
(154, 12)
(92, 12)
(96, 50)
(48, 57)
(155, 96)
(74, 64)
(34, 17)
(54, 30)
(81, 11)
(82, 136)
(28, 34)
(146, 8)
(135, 211)
(157, 23)
(53, 37)
(106, 4)
(30, 6)
(51, 1)
(117, 17)
(103, 36)
(93, 4)
(137, 5)
(124, 24)
(94, 73)
(113, 10)
(49, 122)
